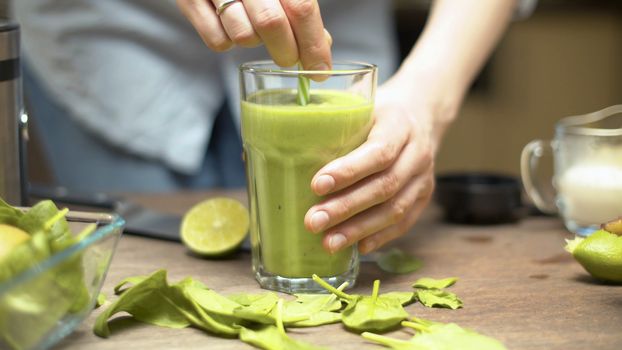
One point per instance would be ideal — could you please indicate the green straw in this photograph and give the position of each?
(303, 89)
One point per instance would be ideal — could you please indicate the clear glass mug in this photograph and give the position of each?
(285, 144)
(587, 152)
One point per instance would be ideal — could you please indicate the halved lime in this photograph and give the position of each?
(10, 236)
(600, 254)
(215, 227)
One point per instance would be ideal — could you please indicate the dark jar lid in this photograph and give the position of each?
(479, 198)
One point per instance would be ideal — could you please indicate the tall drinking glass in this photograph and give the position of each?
(285, 144)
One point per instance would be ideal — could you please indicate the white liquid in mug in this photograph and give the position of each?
(591, 193)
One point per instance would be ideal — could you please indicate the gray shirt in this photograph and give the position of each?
(135, 72)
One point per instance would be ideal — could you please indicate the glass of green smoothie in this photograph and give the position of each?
(285, 143)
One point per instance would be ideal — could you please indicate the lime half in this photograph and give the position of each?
(10, 237)
(600, 254)
(215, 227)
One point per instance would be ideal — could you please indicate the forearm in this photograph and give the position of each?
(456, 41)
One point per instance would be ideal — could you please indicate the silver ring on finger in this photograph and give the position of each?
(223, 6)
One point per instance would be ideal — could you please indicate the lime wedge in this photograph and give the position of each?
(215, 227)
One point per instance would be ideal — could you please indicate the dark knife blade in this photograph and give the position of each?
(138, 219)
(149, 223)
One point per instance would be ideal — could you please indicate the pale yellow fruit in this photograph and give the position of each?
(10, 237)
(215, 227)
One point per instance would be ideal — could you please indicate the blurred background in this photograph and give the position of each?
(565, 59)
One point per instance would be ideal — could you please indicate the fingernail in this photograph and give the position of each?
(324, 184)
(336, 242)
(319, 219)
(320, 66)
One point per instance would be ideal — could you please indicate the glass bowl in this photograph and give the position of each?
(38, 307)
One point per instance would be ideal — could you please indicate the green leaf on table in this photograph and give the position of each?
(323, 302)
(296, 315)
(148, 301)
(306, 311)
(245, 298)
(156, 302)
(438, 298)
(211, 301)
(374, 313)
(431, 283)
(433, 335)
(319, 307)
(223, 325)
(366, 313)
(404, 298)
(429, 293)
(318, 319)
(101, 300)
(126, 283)
(263, 310)
(398, 262)
(271, 337)
(259, 310)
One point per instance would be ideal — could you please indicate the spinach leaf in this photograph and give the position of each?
(259, 310)
(365, 313)
(211, 301)
(434, 335)
(398, 344)
(132, 280)
(431, 283)
(404, 298)
(271, 337)
(436, 297)
(147, 301)
(398, 262)
(154, 301)
(222, 325)
(318, 307)
(318, 319)
(263, 310)
(429, 292)
(323, 302)
(101, 300)
(244, 298)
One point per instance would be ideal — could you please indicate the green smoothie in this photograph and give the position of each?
(285, 145)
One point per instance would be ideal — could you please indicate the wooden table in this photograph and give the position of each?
(517, 283)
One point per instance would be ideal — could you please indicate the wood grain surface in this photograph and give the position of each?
(517, 283)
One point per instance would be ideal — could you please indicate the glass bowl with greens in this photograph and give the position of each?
(52, 266)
